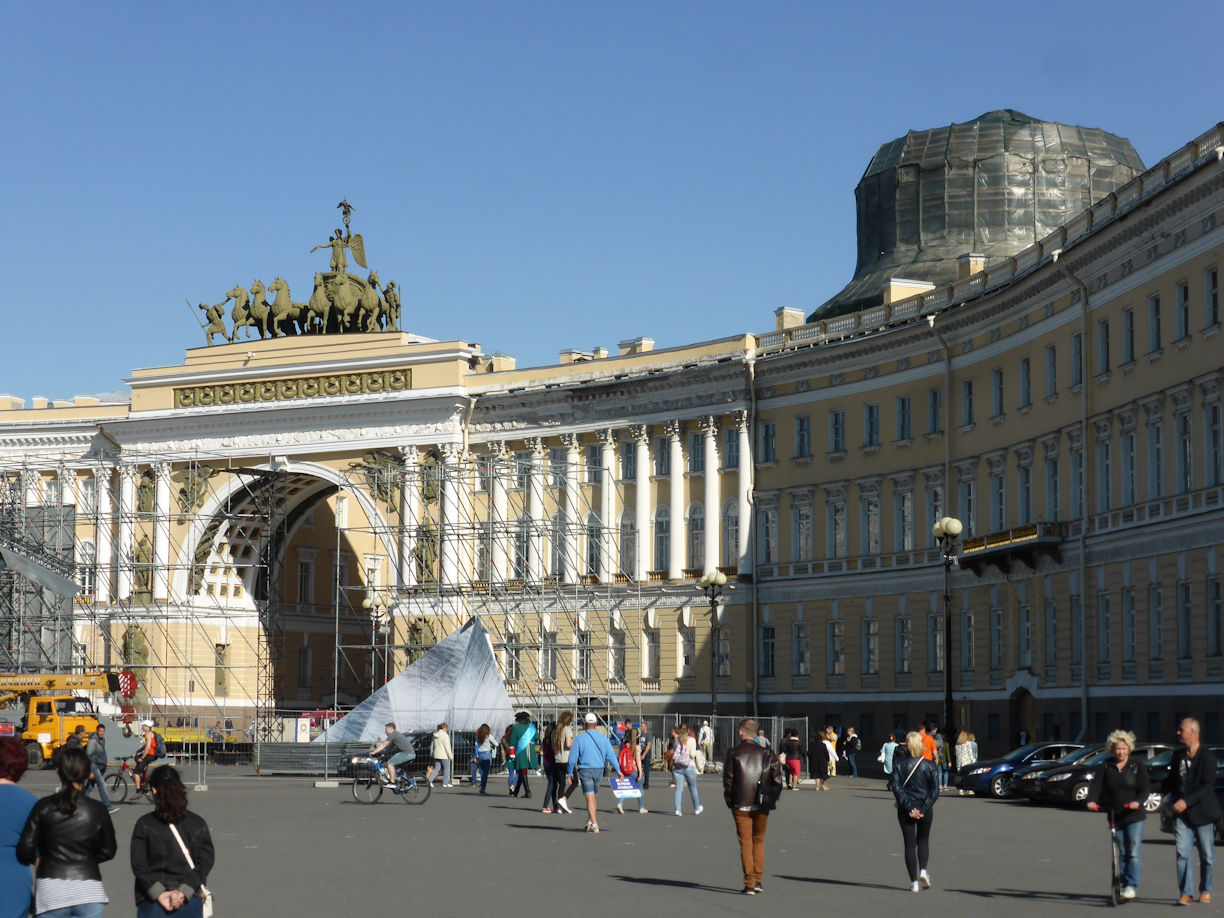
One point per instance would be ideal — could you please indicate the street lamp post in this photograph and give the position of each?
(376, 605)
(946, 532)
(712, 585)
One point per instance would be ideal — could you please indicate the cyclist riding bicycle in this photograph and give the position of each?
(153, 747)
(394, 750)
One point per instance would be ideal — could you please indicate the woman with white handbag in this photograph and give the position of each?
(172, 853)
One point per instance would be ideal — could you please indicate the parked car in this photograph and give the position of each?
(1166, 814)
(993, 776)
(1025, 779)
(1070, 783)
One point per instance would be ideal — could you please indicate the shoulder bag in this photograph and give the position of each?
(206, 892)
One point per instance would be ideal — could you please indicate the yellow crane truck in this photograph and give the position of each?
(44, 709)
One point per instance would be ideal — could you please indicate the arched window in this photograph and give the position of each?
(662, 534)
(87, 567)
(696, 536)
(628, 544)
(730, 534)
(594, 549)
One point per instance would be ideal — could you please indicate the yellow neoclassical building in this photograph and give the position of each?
(279, 524)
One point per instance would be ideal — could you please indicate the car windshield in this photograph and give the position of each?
(1103, 755)
(1019, 755)
(1076, 754)
(1163, 759)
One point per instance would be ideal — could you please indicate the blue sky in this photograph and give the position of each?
(536, 176)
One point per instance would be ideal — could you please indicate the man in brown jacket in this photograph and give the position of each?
(750, 798)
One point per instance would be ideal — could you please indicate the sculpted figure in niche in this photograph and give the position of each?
(142, 561)
(145, 490)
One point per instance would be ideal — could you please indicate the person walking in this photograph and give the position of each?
(1189, 789)
(752, 783)
(563, 741)
(442, 756)
(887, 751)
(548, 762)
(589, 755)
(646, 741)
(96, 751)
(629, 760)
(915, 785)
(15, 805)
(1120, 788)
(830, 743)
(684, 769)
(792, 753)
(172, 852)
(818, 761)
(522, 738)
(705, 739)
(853, 746)
(482, 755)
(965, 755)
(68, 835)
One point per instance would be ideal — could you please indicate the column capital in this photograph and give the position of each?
(409, 455)
(741, 419)
(572, 442)
(640, 433)
(537, 447)
(127, 471)
(673, 429)
(607, 437)
(709, 425)
(450, 452)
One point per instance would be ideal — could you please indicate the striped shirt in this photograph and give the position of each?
(51, 893)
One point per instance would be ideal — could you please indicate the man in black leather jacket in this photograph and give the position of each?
(752, 782)
(1190, 790)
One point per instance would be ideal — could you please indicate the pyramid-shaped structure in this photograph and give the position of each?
(457, 682)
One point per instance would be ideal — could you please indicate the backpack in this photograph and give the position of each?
(626, 761)
(681, 758)
(159, 746)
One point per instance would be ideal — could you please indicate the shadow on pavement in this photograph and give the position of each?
(1036, 895)
(552, 828)
(830, 881)
(666, 881)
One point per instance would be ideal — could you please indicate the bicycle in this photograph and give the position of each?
(123, 782)
(368, 788)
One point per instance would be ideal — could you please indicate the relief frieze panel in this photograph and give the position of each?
(328, 385)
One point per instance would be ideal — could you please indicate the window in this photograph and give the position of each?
(803, 436)
(837, 648)
(556, 466)
(1183, 310)
(1185, 623)
(722, 653)
(628, 460)
(1128, 626)
(522, 538)
(769, 442)
(837, 431)
(1185, 455)
(628, 543)
(801, 533)
(1153, 324)
(688, 652)
(696, 456)
(870, 508)
(871, 425)
(650, 654)
(1155, 461)
(305, 580)
(1051, 494)
(801, 655)
(87, 567)
(594, 545)
(1077, 483)
(903, 418)
(1024, 495)
(904, 522)
(998, 502)
(1211, 298)
(996, 389)
(966, 402)
(662, 541)
(1104, 482)
(1155, 623)
(905, 643)
(731, 448)
(1077, 360)
(557, 546)
(594, 463)
(1129, 488)
(87, 496)
(836, 536)
(484, 473)
(768, 646)
(1026, 637)
(1051, 371)
(522, 470)
(1215, 616)
(1026, 383)
(1102, 346)
(616, 655)
(1128, 336)
(1051, 637)
(935, 643)
(583, 655)
(1077, 631)
(1214, 445)
(662, 457)
(548, 656)
(696, 534)
(967, 654)
(996, 639)
(871, 646)
(935, 503)
(967, 501)
(934, 411)
(730, 523)
(1103, 629)
(303, 667)
(769, 536)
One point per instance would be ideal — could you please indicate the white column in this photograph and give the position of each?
(449, 536)
(410, 516)
(535, 510)
(161, 532)
(641, 522)
(608, 563)
(709, 426)
(102, 536)
(675, 499)
(127, 507)
(499, 554)
(573, 500)
(68, 486)
(743, 489)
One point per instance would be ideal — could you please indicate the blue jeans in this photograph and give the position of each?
(86, 910)
(442, 766)
(853, 757)
(1130, 840)
(1185, 837)
(690, 775)
(943, 775)
(590, 778)
(550, 790)
(192, 908)
(484, 762)
(99, 782)
(645, 773)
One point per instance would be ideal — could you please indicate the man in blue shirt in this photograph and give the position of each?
(590, 752)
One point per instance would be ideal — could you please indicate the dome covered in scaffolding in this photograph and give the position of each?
(991, 187)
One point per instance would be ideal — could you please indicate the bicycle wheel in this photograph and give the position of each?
(367, 789)
(414, 791)
(118, 787)
(1115, 879)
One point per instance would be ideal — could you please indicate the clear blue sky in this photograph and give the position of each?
(535, 175)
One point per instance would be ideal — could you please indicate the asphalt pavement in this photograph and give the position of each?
(287, 848)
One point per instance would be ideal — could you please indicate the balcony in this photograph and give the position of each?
(1026, 544)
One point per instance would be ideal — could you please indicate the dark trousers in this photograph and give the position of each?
(523, 787)
(556, 782)
(573, 784)
(645, 773)
(750, 830)
(917, 835)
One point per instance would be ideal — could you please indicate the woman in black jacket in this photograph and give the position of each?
(165, 883)
(1121, 787)
(915, 784)
(69, 835)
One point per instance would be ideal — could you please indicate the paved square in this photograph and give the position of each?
(287, 848)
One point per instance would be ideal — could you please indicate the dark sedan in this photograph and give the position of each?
(1027, 778)
(1070, 783)
(993, 776)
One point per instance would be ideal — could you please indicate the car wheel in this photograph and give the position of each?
(1079, 793)
(34, 754)
(1152, 803)
(1000, 786)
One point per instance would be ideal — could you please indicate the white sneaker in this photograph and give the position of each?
(1128, 892)
(565, 806)
(643, 809)
(699, 811)
(620, 808)
(914, 887)
(678, 813)
(925, 879)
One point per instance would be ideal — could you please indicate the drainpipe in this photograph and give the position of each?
(750, 365)
(947, 421)
(1085, 485)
